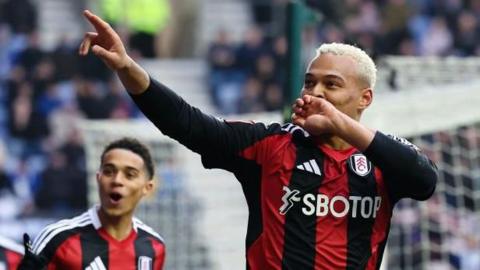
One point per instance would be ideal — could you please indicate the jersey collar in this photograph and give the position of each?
(338, 155)
(93, 213)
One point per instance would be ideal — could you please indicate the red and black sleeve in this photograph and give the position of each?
(218, 141)
(9, 259)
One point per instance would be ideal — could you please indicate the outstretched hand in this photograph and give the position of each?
(315, 115)
(104, 43)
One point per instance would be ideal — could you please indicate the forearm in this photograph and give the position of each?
(410, 172)
(176, 118)
(353, 132)
(134, 78)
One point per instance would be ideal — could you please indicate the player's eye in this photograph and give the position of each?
(108, 171)
(131, 174)
(308, 83)
(331, 84)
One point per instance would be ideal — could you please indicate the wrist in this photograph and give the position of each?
(339, 120)
(127, 66)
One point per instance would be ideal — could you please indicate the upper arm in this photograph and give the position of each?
(239, 140)
(209, 136)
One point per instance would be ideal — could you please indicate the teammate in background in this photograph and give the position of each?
(320, 190)
(107, 236)
(11, 254)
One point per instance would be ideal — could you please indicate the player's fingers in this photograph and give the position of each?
(297, 120)
(102, 53)
(307, 99)
(295, 105)
(298, 111)
(99, 24)
(299, 102)
(87, 42)
(294, 117)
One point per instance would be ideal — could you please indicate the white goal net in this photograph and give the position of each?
(437, 109)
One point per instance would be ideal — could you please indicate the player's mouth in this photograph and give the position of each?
(115, 198)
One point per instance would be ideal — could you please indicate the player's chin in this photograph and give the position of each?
(114, 211)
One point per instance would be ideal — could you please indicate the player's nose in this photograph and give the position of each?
(117, 179)
(318, 91)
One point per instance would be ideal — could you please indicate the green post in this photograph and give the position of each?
(294, 25)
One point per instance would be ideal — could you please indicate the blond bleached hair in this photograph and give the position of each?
(366, 68)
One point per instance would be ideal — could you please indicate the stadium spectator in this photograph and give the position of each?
(69, 192)
(144, 18)
(94, 100)
(252, 47)
(64, 60)
(346, 176)
(31, 55)
(107, 236)
(9, 198)
(251, 100)
(23, 180)
(20, 15)
(273, 97)
(221, 60)
(467, 33)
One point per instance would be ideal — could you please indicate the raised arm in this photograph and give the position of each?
(409, 173)
(173, 116)
(319, 117)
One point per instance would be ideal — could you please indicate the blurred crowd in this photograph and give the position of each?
(43, 95)
(46, 93)
(405, 27)
(249, 76)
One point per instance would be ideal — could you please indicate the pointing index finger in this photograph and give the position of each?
(99, 24)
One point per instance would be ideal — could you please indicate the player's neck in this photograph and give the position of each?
(118, 227)
(333, 142)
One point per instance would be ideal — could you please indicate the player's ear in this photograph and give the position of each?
(365, 98)
(98, 176)
(149, 186)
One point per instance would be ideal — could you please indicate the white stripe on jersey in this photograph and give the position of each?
(11, 245)
(96, 264)
(287, 127)
(315, 167)
(308, 167)
(139, 224)
(57, 224)
(404, 141)
(291, 128)
(99, 263)
(52, 227)
(93, 212)
(40, 244)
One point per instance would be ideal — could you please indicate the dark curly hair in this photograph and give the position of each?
(136, 147)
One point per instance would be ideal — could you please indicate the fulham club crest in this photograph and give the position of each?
(360, 165)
